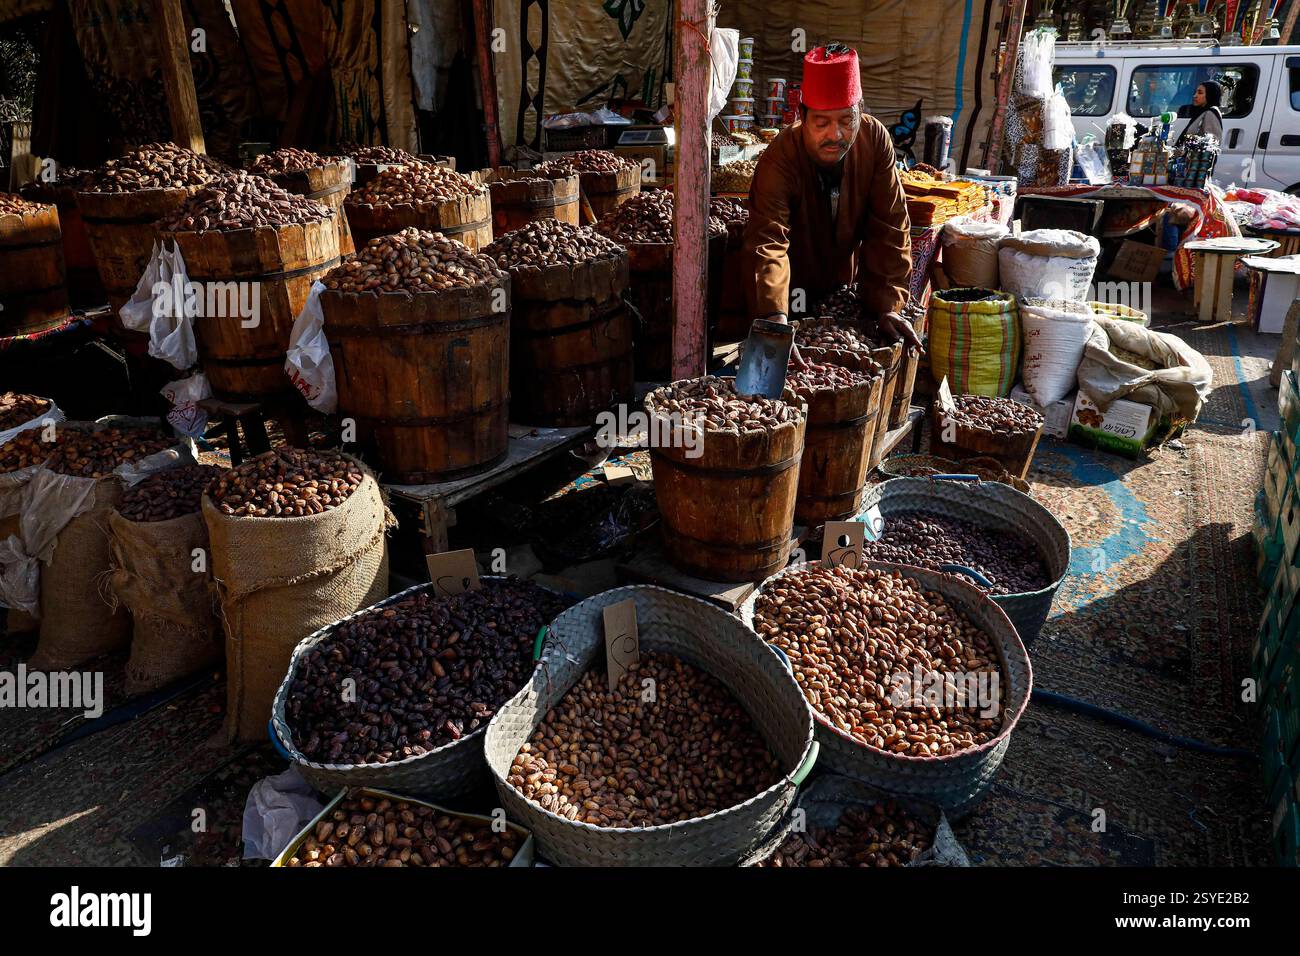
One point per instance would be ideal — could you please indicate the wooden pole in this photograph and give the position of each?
(691, 187)
(487, 79)
(1011, 39)
(1289, 26)
(178, 79)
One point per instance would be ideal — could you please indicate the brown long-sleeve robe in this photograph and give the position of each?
(792, 243)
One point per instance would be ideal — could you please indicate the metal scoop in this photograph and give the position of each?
(764, 359)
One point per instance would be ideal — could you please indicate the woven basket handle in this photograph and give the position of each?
(969, 572)
(541, 639)
(975, 478)
(806, 767)
(275, 741)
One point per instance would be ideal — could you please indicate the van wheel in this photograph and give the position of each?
(1293, 189)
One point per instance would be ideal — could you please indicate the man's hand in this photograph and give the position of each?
(895, 327)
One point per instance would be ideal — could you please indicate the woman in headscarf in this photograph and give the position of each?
(1205, 117)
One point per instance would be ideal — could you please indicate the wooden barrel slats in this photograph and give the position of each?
(425, 377)
(839, 442)
(33, 291)
(84, 287)
(728, 514)
(570, 342)
(467, 219)
(329, 184)
(248, 362)
(120, 229)
(519, 198)
(650, 295)
(605, 192)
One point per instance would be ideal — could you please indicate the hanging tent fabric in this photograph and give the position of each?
(918, 57)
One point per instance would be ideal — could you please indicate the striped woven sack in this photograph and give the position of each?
(974, 341)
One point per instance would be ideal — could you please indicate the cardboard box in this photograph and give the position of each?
(1056, 417)
(1125, 428)
(1136, 262)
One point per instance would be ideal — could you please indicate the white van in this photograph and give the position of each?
(1261, 100)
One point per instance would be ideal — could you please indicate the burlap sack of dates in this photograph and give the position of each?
(175, 630)
(11, 493)
(65, 526)
(280, 579)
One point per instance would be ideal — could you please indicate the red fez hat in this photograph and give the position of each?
(831, 80)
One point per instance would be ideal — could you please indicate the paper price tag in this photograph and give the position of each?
(842, 544)
(619, 475)
(622, 643)
(945, 396)
(453, 572)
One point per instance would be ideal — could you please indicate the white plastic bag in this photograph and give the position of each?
(1058, 128)
(970, 253)
(308, 362)
(163, 306)
(724, 54)
(1037, 52)
(52, 414)
(1092, 160)
(276, 810)
(1054, 335)
(1048, 264)
(186, 416)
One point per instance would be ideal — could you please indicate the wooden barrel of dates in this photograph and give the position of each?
(33, 296)
(467, 219)
(329, 184)
(425, 376)
(248, 362)
(570, 342)
(840, 437)
(650, 294)
(120, 229)
(890, 360)
(84, 287)
(519, 198)
(728, 512)
(605, 192)
(910, 362)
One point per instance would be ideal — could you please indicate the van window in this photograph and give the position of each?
(1088, 89)
(1293, 73)
(1158, 89)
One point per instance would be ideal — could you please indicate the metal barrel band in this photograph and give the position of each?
(731, 548)
(602, 319)
(844, 425)
(423, 420)
(281, 274)
(44, 243)
(759, 471)
(335, 330)
(327, 191)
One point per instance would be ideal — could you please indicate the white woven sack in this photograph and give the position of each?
(1054, 334)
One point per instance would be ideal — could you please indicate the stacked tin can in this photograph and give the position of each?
(741, 103)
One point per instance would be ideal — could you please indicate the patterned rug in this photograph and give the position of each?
(1155, 621)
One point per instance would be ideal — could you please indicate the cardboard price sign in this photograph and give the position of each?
(842, 544)
(622, 643)
(453, 572)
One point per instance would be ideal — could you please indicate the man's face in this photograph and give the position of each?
(828, 134)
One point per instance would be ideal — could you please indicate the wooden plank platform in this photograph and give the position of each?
(910, 428)
(525, 452)
(649, 566)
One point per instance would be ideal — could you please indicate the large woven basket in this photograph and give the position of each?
(825, 799)
(447, 772)
(958, 781)
(700, 634)
(994, 505)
